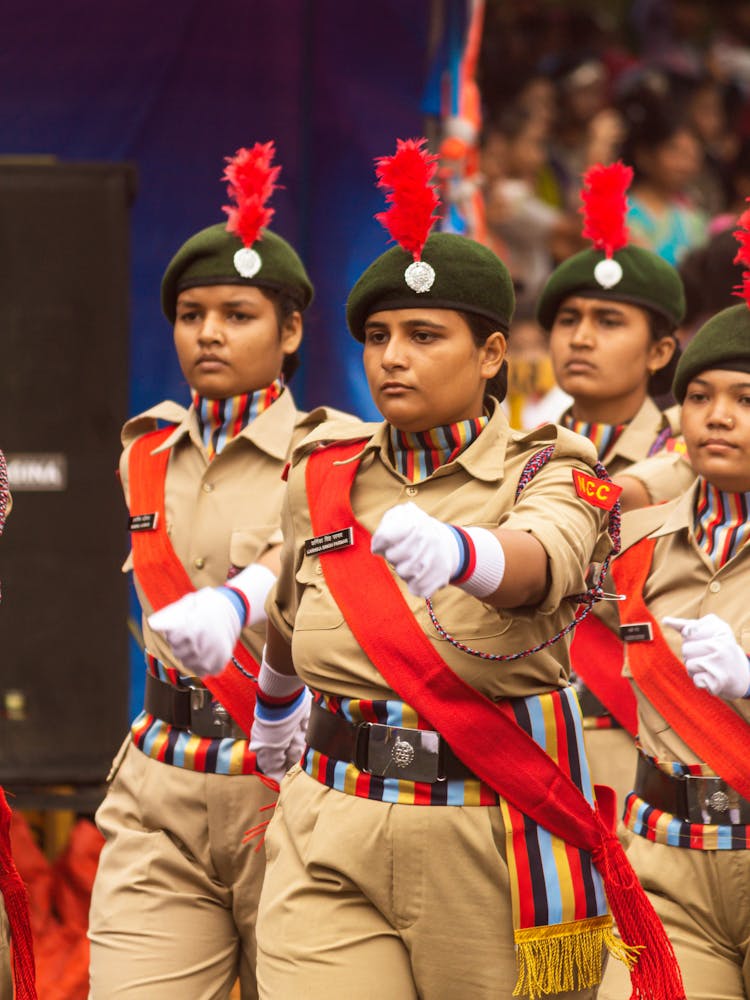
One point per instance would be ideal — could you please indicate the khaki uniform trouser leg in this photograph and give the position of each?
(612, 758)
(367, 900)
(175, 897)
(703, 900)
(6, 978)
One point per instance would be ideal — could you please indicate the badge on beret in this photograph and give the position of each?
(407, 177)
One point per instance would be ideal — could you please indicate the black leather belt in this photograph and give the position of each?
(191, 708)
(692, 798)
(388, 751)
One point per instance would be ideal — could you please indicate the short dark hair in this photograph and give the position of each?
(481, 329)
(284, 305)
(660, 326)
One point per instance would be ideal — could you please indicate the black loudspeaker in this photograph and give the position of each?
(64, 305)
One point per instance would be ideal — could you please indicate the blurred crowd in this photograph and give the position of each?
(664, 86)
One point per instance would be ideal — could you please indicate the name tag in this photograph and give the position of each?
(340, 539)
(637, 632)
(143, 522)
(597, 492)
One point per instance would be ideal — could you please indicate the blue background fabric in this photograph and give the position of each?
(175, 86)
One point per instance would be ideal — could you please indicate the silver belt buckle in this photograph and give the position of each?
(710, 800)
(409, 754)
(209, 718)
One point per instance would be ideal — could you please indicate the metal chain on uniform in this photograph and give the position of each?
(586, 601)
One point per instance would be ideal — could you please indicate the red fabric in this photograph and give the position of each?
(59, 893)
(482, 733)
(712, 730)
(596, 656)
(164, 578)
(16, 902)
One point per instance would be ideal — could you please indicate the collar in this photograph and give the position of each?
(639, 433)
(271, 431)
(426, 451)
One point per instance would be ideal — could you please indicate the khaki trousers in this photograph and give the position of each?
(175, 897)
(6, 978)
(612, 758)
(703, 900)
(367, 900)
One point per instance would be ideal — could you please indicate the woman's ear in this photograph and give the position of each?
(291, 332)
(494, 350)
(660, 354)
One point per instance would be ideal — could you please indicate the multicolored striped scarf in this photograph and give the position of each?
(560, 915)
(602, 436)
(417, 454)
(720, 522)
(221, 420)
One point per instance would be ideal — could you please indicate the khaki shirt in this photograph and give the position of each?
(684, 583)
(477, 488)
(224, 513)
(667, 474)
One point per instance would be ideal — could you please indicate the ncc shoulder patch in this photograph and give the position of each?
(676, 445)
(597, 492)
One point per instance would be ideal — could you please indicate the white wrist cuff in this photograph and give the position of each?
(276, 685)
(484, 563)
(254, 582)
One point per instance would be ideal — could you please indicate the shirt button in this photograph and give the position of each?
(411, 491)
(199, 563)
(714, 586)
(208, 487)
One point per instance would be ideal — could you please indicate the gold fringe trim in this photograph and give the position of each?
(563, 958)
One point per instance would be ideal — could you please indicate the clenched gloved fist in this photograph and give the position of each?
(278, 743)
(203, 627)
(422, 550)
(712, 656)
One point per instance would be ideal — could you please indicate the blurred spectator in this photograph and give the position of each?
(534, 397)
(667, 157)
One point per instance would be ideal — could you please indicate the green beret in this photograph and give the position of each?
(722, 342)
(647, 280)
(469, 277)
(207, 258)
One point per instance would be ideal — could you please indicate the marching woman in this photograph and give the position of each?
(175, 897)
(611, 312)
(438, 838)
(684, 575)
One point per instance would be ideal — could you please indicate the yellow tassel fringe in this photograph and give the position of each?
(562, 958)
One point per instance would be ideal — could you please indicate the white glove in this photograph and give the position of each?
(712, 656)
(279, 743)
(427, 554)
(202, 629)
(422, 550)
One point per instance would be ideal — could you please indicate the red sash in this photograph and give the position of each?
(712, 730)
(482, 733)
(164, 578)
(16, 901)
(596, 655)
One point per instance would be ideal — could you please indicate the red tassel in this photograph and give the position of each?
(655, 974)
(413, 200)
(251, 180)
(742, 235)
(16, 904)
(605, 206)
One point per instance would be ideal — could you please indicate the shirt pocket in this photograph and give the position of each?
(317, 608)
(247, 545)
(465, 618)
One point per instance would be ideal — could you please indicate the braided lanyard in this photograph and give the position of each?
(586, 601)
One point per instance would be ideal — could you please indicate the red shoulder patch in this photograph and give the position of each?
(597, 492)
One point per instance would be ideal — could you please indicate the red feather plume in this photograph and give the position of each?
(412, 198)
(742, 235)
(605, 206)
(250, 182)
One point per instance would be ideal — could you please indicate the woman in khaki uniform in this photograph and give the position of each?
(613, 346)
(175, 897)
(394, 866)
(684, 573)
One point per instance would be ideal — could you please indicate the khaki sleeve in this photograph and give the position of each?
(665, 476)
(572, 531)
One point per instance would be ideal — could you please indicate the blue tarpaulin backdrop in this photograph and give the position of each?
(177, 85)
